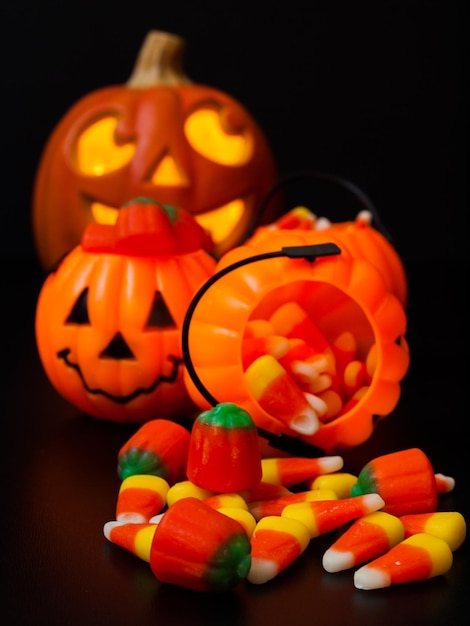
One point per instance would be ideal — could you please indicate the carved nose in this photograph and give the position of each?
(168, 172)
(117, 349)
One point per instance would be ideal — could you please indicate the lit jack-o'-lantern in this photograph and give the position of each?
(160, 136)
(109, 317)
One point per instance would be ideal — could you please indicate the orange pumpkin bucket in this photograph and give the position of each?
(303, 327)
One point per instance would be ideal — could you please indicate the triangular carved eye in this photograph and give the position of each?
(79, 312)
(160, 316)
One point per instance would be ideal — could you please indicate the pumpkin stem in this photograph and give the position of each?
(159, 62)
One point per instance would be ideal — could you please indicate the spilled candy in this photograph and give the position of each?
(323, 516)
(367, 538)
(242, 516)
(193, 546)
(405, 480)
(215, 435)
(448, 525)
(159, 447)
(276, 392)
(339, 482)
(199, 548)
(141, 497)
(186, 489)
(289, 471)
(265, 508)
(419, 557)
(232, 515)
(275, 544)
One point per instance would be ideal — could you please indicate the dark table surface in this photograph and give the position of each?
(60, 486)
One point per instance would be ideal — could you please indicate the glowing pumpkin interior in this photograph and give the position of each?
(98, 153)
(160, 136)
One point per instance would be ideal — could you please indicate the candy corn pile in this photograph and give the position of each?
(207, 511)
(298, 376)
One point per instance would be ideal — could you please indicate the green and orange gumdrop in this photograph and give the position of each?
(224, 451)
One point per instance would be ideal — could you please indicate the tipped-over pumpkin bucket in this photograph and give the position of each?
(304, 327)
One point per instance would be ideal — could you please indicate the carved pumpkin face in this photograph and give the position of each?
(109, 317)
(159, 136)
(358, 293)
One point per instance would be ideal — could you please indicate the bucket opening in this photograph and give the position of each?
(309, 354)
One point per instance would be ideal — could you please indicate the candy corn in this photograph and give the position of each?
(264, 491)
(368, 537)
(278, 395)
(404, 479)
(291, 320)
(303, 363)
(448, 525)
(444, 484)
(298, 218)
(322, 516)
(212, 463)
(354, 400)
(275, 543)
(344, 348)
(199, 548)
(140, 497)
(339, 482)
(186, 489)
(219, 500)
(137, 538)
(334, 404)
(254, 347)
(264, 508)
(242, 516)
(416, 558)
(355, 376)
(159, 447)
(258, 328)
(289, 471)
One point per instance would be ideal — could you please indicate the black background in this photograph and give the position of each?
(374, 92)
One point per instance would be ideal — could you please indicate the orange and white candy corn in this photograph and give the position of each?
(289, 471)
(416, 558)
(242, 516)
(323, 516)
(265, 508)
(276, 393)
(275, 543)
(186, 489)
(137, 538)
(367, 538)
(448, 525)
(291, 320)
(219, 500)
(344, 348)
(355, 376)
(254, 347)
(305, 364)
(339, 482)
(140, 497)
(264, 491)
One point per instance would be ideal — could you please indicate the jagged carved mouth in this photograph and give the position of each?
(220, 222)
(171, 378)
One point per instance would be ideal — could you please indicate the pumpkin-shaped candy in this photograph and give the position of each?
(109, 316)
(161, 136)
